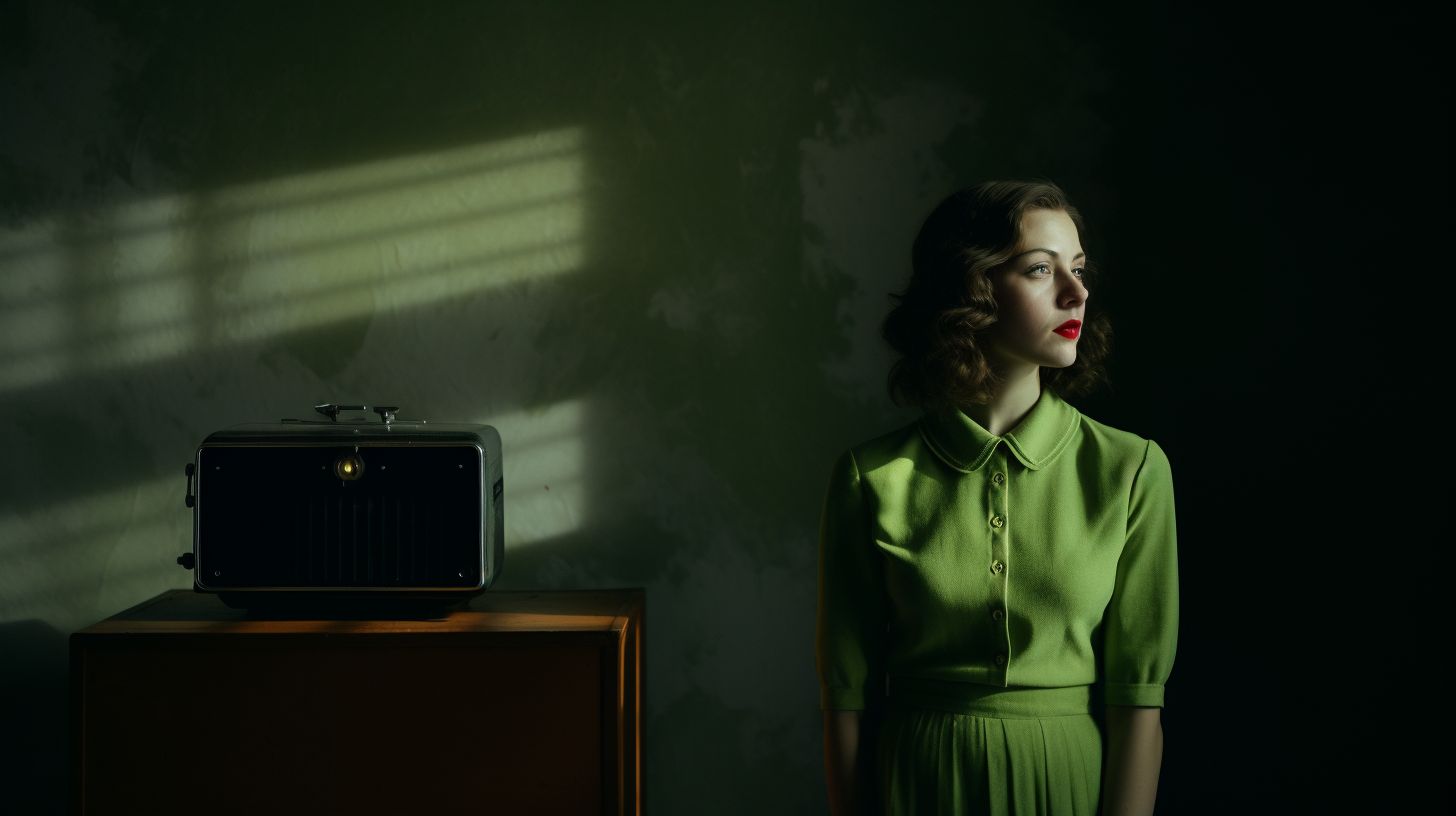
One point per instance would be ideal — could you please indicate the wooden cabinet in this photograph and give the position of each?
(520, 703)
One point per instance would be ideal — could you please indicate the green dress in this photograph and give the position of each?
(974, 588)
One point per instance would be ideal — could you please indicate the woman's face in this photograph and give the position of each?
(1037, 292)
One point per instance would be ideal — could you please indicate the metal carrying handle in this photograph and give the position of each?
(331, 410)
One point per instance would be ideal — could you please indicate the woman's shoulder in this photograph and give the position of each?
(1112, 435)
(1116, 443)
(878, 452)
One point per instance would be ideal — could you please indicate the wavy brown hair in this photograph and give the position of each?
(937, 322)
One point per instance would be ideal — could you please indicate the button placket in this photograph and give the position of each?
(998, 491)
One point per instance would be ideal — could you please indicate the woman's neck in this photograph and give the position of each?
(1009, 405)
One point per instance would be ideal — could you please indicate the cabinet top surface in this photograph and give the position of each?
(181, 611)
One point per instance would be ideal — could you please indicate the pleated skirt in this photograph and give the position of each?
(971, 750)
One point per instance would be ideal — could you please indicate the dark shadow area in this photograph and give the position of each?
(33, 709)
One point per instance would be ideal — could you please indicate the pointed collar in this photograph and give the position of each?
(1037, 440)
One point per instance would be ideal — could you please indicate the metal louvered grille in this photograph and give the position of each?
(283, 517)
(364, 541)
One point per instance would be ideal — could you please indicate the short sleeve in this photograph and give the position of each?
(850, 633)
(1142, 617)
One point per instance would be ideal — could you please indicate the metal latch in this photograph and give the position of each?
(332, 410)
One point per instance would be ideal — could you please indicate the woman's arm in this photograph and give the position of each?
(1140, 630)
(849, 641)
(847, 763)
(1134, 760)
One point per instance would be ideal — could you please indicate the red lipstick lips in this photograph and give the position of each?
(1070, 329)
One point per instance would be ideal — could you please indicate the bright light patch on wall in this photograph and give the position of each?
(116, 547)
(105, 551)
(543, 455)
(174, 275)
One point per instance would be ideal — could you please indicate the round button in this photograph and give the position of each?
(1000, 659)
(998, 478)
(998, 567)
(997, 614)
(997, 521)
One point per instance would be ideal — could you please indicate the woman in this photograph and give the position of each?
(982, 568)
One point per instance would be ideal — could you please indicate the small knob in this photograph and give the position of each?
(187, 560)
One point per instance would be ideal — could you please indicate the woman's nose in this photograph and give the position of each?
(1073, 291)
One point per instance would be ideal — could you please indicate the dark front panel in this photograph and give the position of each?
(340, 724)
(392, 517)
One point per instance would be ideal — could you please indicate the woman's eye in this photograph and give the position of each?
(1079, 271)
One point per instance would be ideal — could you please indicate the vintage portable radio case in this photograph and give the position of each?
(359, 508)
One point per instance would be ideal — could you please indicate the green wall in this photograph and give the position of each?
(650, 242)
